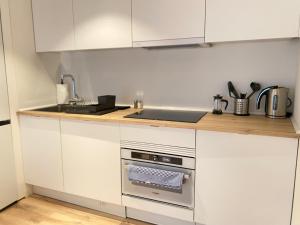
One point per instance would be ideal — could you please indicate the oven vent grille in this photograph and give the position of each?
(166, 149)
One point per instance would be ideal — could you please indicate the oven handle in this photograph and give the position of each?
(185, 176)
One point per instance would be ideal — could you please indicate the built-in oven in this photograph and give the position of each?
(160, 177)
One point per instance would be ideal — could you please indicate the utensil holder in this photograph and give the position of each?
(241, 107)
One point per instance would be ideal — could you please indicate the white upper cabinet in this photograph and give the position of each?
(62, 25)
(53, 25)
(235, 20)
(91, 160)
(167, 22)
(102, 24)
(244, 179)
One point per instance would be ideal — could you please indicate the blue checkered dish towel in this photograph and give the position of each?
(155, 177)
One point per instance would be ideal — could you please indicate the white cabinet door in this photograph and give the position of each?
(102, 24)
(53, 25)
(8, 187)
(41, 146)
(235, 20)
(167, 22)
(296, 211)
(244, 179)
(91, 160)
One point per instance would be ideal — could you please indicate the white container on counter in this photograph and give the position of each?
(62, 93)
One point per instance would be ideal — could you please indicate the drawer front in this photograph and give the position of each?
(177, 212)
(185, 138)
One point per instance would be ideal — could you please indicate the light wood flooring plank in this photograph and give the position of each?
(37, 210)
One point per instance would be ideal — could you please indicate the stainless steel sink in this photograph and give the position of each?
(71, 108)
(56, 108)
(82, 109)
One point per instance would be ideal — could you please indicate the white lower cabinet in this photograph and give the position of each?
(244, 179)
(91, 160)
(240, 179)
(41, 147)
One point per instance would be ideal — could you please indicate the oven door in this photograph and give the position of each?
(184, 197)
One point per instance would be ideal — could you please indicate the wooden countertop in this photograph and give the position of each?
(256, 124)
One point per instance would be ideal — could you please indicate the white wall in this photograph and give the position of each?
(35, 74)
(184, 77)
(31, 78)
(296, 117)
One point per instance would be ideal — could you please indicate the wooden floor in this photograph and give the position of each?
(37, 210)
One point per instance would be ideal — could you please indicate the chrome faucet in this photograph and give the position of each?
(75, 99)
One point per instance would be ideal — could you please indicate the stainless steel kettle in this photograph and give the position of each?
(277, 101)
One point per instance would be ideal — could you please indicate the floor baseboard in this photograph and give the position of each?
(108, 208)
(81, 201)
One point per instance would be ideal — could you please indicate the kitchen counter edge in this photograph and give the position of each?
(227, 123)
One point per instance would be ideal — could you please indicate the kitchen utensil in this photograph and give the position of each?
(218, 100)
(241, 106)
(277, 101)
(232, 91)
(255, 88)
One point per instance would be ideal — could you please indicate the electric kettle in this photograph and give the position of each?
(277, 101)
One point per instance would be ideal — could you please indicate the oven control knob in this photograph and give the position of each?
(155, 158)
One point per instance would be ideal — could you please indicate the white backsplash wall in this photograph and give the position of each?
(183, 77)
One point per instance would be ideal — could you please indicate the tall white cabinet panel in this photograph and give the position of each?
(102, 24)
(296, 211)
(91, 156)
(41, 146)
(4, 105)
(53, 25)
(235, 20)
(167, 22)
(8, 184)
(244, 179)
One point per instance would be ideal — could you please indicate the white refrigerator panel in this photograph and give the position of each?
(8, 185)
(4, 106)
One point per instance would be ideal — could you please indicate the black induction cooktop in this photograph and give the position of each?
(168, 115)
